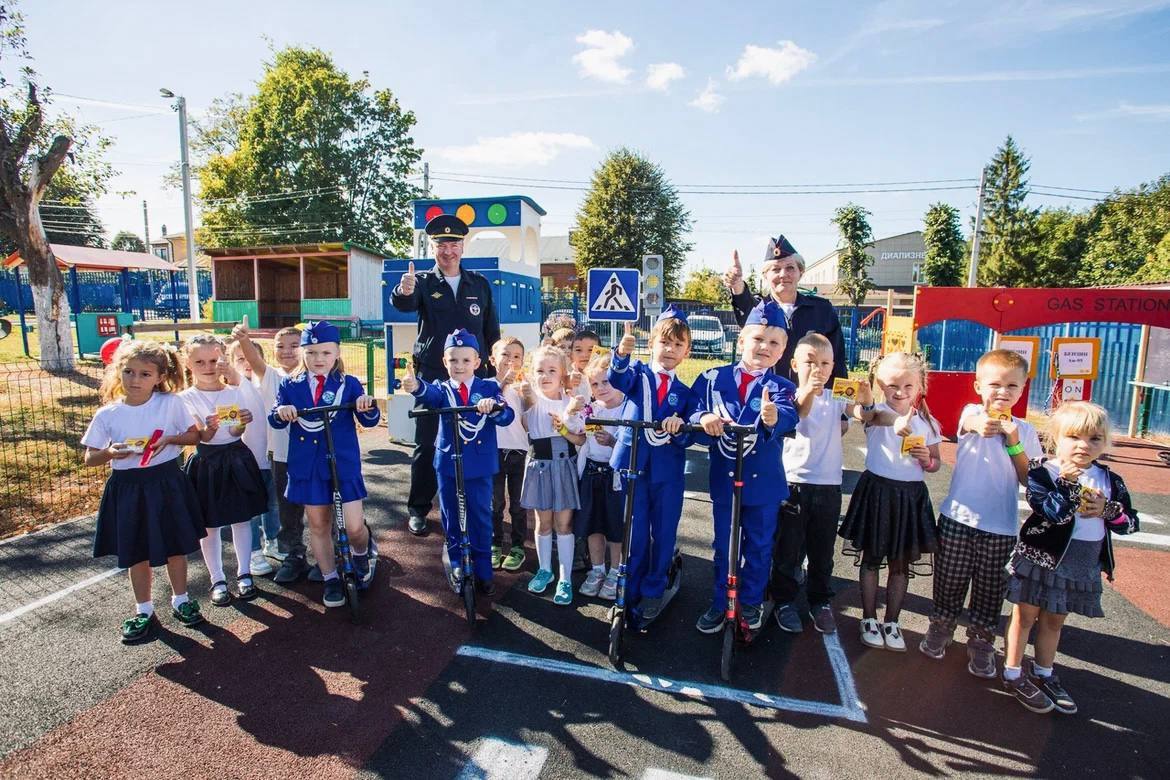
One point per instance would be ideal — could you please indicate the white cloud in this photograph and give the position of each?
(776, 65)
(659, 75)
(515, 150)
(599, 59)
(1158, 112)
(708, 100)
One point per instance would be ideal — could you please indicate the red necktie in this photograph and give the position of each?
(745, 379)
(320, 389)
(663, 384)
(463, 393)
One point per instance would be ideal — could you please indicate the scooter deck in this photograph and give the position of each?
(673, 584)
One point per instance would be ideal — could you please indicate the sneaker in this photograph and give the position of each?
(220, 595)
(188, 613)
(315, 573)
(650, 608)
(711, 621)
(1051, 687)
(271, 549)
(245, 588)
(514, 559)
(892, 634)
(788, 619)
(334, 594)
(592, 584)
(497, 556)
(138, 628)
(609, 587)
(981, 658)
(540, 580)
(934, 644)
(564, 594)
(752, 615)
(822, 619)
(291, 569)
(363, 570)
(870, 635)
(260, 565)
(1027, 694)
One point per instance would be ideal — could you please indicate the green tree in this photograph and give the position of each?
(1124, 233)
(946, 251)
(631, 210)
(705, 286)
(128, 242)
(1059, 239)
(1158, 268)
(853, 280)
(1007, 233)
(313, 155)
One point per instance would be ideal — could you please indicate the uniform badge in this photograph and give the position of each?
(476, 398)
(327, 397)
(755, 404)
(474, 309)
(312, 339)
(672, 399)
(436, 294)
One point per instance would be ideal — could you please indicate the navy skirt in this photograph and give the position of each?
(602, 508)
(227, 483)
(148, 514)
(889, 519)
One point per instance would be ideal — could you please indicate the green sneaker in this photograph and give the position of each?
(138, 628)
(515, 559)
(497, 556)
(188, 613)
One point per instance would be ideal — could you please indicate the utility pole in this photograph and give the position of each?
(423, 245)
(145, 227)
(973, 268)
(185, 164)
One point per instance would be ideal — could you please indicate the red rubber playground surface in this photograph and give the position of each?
(279, 688)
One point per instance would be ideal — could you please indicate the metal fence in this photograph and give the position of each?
(149, 295)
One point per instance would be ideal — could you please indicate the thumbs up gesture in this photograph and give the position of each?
(409, 382)
(628, 342)
(733, 277)
(768, 413)
(240, 332)
(408, 280)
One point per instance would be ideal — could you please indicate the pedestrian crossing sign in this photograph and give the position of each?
(613, 295)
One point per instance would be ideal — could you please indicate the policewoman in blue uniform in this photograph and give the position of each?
(803, 313)
(446, 299)
(322, 381)
(481, 458)
(747, 393)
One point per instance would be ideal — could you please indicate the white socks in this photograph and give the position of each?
(213, 551)
(146, 608)
(1012, 672)
(1041, 671)
(213, 554)
(544, 551)
(178, 600)
(565, 549)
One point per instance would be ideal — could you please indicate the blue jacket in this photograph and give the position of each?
(306, 442)
(634, 380)
(763, 467)
(480, 455)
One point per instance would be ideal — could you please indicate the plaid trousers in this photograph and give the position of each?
(970, 557)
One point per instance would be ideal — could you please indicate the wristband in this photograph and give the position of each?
(1015, 449)
(867, 408)
(563, 430)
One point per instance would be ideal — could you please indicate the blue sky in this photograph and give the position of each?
(772, 94)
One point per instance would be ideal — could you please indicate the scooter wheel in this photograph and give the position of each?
(617, 627)
(469, 600)
(728, 651)
(351, 595)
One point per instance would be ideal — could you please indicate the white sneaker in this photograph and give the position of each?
(609, 587)
(260, 565)
(592, 584)
(892, 633)
(871, 636)
(272, 550)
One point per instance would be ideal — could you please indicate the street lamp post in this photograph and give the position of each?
(180, 105)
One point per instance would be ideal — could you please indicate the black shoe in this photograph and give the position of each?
(138, 628)
(1061, 701)
(220, 595)
(485, 588)
(417, 524)
(246, 589)
(291, 570)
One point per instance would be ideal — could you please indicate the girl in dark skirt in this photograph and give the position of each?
(1064, 547)
(149, 515)
(890, 519)
(223, 471)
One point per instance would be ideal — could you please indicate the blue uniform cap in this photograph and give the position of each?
(320, 332)
(779, 248)
(461, 338)
(672, 313)
(766, 313)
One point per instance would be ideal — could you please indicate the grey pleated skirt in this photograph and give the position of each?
(1073, 586)
(551, 483)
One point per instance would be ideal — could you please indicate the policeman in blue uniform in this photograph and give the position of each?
(741, 393)
(447, 298)
(480, 456)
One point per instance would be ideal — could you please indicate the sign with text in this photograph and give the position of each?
(898, 335)
(1027, 347)
(1075, 357)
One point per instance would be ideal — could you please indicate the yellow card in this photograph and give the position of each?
(846, 390)
(1086, 494)
(997, 415)
(912, 441)
(137, 444)
(600, 350)
(228, 414)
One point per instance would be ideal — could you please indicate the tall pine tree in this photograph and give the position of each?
(853, 261)
(1008, 232)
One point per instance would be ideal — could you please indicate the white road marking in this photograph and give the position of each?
(497, 759)
(1151, 519)
(662, 774)
(1141, 537)
(58, 595)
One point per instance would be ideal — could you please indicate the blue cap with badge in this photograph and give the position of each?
(320, 332)
(461, 338)
(671, 313)
(766, 313)
(779, 248)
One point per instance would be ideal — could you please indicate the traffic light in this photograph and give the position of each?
(652, 291)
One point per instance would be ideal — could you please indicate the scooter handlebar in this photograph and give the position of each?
(448, 410)
(324, 409)
(657, 425)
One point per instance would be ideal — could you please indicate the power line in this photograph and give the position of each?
(266, 197)
(741, 186)
(728, 192)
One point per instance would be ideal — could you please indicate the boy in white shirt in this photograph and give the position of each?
(979, 519)
(512, 441)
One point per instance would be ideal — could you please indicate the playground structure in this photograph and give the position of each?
(1006, 310)
(515, 280)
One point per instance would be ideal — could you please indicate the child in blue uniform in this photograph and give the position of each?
(149, 515)
(653, 392)
(321, 381)
(480, 456)
(747, 393)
